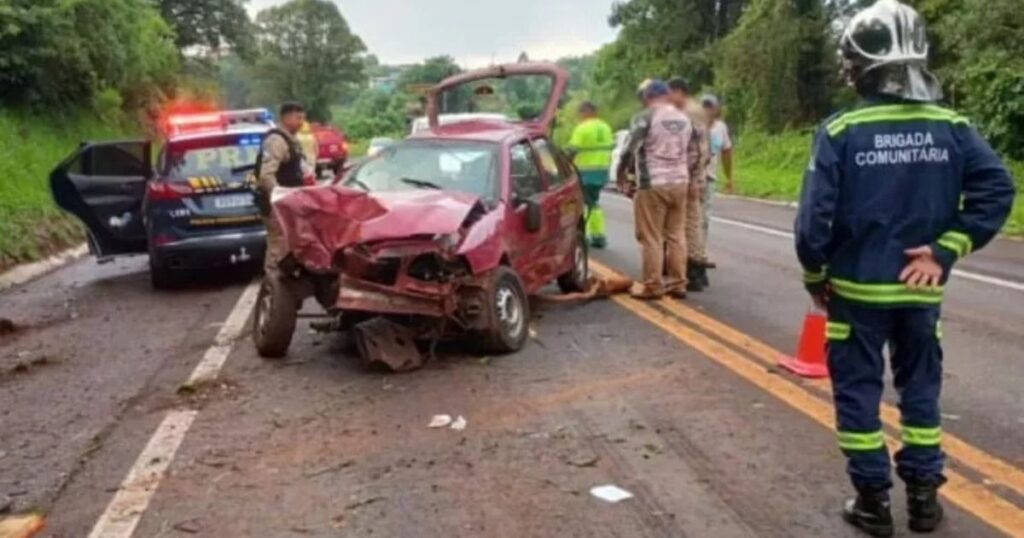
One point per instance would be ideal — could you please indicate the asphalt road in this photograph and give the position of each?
(678, 403)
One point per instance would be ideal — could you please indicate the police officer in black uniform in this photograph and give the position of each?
(280, 163)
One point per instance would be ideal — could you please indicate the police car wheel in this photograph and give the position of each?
(163, 278)
(578, 277)
(509, 310)
(274, 319)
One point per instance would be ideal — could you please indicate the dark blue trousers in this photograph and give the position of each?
(857, 337)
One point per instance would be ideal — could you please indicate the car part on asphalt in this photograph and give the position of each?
(380, 340)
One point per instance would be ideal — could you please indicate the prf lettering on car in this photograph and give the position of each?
(226, 157)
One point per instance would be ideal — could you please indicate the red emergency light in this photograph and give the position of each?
(191, 123)
(178, 124)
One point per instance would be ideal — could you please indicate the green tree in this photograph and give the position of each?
(210, 23)
(307, 53)
(65, 52)
(431, 71)
(775, 67)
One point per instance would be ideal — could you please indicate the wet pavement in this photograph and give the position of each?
(678, 404)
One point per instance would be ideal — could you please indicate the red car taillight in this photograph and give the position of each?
(166, 190)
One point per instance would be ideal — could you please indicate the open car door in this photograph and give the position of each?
(104, 184)
(528, 93)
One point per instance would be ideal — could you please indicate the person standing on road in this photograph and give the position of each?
(279, 164)
(721, 152)
(897, 190)
(591, 147)
(659, 136)
(698, 155)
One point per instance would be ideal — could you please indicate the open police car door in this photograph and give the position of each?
(104, 184)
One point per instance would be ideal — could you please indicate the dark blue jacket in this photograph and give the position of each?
(888, 176)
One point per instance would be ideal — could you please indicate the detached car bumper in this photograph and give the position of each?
(221, 250)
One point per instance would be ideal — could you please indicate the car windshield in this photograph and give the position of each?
(220, 156)
(469, 167)
(518, 97)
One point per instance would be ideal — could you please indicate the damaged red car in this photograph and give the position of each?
(444, 234)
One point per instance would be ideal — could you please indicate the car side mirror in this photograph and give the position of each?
(534, 216)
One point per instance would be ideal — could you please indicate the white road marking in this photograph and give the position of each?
(125, 510)
(960, 273)
(129, 504)
(213, 359)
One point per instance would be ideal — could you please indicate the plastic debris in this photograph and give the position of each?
(610, 493)
(440, 421)
(459, 424)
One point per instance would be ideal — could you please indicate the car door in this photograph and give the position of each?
(531, 251)
(104, 185)
(564, 201)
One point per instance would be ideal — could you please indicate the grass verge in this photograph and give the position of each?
(772, 167)
(31, 226)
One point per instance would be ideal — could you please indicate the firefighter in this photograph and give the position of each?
(591, 147)
(897, 190)
(279, 164)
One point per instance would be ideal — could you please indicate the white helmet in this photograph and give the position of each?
(888, 40)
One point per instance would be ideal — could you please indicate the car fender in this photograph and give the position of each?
(483, 246)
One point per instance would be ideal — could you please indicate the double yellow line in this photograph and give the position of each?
(734, 350)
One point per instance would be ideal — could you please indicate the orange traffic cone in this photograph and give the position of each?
(810, 353)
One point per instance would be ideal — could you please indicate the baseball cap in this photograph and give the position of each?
(709, 101)
(657, 88)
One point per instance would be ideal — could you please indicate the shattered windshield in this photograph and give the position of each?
(518, 97)
(469, 167)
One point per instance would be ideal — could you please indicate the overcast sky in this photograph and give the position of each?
(475, 32)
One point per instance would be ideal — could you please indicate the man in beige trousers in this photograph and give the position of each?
(659, 138)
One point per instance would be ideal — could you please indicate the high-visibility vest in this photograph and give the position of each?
(593, 142)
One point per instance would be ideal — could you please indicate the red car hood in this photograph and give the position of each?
(318, 222)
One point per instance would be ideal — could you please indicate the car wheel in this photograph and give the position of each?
(577, 278)
(509, 312)
(274, 319)
(163, 278)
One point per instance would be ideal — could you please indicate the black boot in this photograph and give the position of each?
(923, 505)
(693, 281)
(703, 276)
(870, 512)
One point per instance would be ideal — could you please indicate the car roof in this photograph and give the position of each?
(479, 129)
(234, 129)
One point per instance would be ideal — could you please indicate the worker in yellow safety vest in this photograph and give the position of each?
(591, 147)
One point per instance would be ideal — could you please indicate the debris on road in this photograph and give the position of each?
(384, 341)
(440, 421)
(947, 416)
(583, 459)
(459, 424)
(7, 327)
(359, 503)
(330, 469)
(23, 526)
(610, 493)
(190, 526)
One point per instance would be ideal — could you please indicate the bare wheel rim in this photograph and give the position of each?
(580, 261)
(510, 311)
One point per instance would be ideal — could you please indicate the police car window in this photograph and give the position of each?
(229, 156)
(526, 178)
(117, 160)
(550, 163)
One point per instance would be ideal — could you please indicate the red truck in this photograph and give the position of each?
(332, 147)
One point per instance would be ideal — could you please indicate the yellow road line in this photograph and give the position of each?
(996, 469)
(970, 496)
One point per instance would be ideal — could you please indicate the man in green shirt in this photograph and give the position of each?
(591, 146)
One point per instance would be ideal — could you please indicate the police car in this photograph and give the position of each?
(192, 208)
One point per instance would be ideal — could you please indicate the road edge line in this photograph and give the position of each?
(126, 509)
(959, 273)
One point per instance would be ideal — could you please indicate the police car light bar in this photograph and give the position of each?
(252, 115)
(195, 122)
